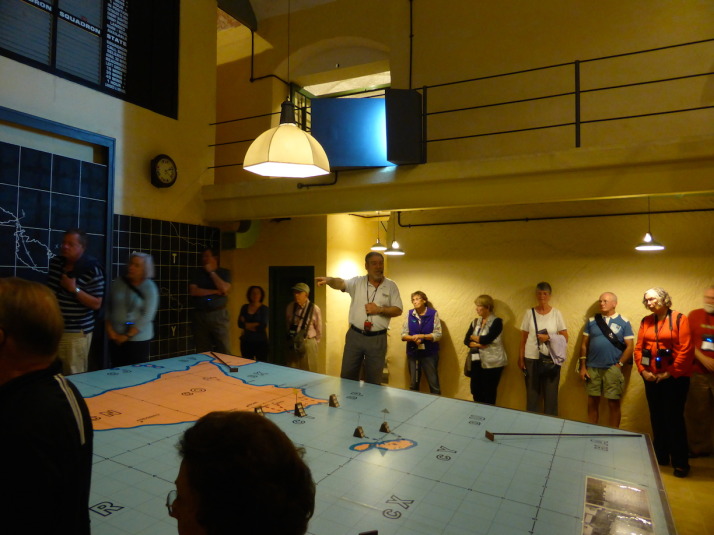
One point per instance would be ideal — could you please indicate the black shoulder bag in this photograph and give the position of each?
(297, 339)
(467, 362)
(546, 366)
(605, 328)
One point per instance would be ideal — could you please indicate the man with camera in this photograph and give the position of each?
(304, 321)
(607, 346)
(699, 411)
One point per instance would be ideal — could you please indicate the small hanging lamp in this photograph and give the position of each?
(648, 242)
(394, 249)
(379, 246)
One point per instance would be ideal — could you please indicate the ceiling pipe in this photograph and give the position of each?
(547, 218)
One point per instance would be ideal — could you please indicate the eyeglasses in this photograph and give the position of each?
(170, 499)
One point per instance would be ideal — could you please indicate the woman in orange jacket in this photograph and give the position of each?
(663, 355)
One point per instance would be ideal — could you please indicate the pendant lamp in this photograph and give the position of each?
(648, 242)
(286, 150)
(379, 246)
(394, 249)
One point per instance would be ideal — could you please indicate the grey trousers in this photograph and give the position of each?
(537, 386)
(210, 331)
(367, 351)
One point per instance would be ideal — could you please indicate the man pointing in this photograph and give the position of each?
(375, 300)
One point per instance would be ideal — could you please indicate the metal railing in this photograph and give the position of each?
(576, 92)
(575, 110)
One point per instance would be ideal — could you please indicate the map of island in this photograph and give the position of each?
(186, 395)
(387, 445)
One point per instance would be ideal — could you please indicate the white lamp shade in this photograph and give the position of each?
(394, 250)
(379, 246)
(649, 244)
(286, 151)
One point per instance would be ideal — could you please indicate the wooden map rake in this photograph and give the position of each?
(492, 436)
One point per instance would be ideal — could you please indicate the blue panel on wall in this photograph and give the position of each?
(352, 131)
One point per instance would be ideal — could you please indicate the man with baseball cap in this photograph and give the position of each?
(304, 321)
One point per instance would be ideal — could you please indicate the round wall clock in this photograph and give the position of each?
(163, 171)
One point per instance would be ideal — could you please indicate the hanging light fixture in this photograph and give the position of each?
(394, 249)
(379, 246)
(648, 242)
(286, 150)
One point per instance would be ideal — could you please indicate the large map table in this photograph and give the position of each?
(430, 470)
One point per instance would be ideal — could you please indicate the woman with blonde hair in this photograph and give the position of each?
(486, 351)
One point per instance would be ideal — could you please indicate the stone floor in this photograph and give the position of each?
(692, 498)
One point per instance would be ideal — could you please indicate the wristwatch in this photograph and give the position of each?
(77, 289)
(620, 364)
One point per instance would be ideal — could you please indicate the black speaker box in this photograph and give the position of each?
(404, 126)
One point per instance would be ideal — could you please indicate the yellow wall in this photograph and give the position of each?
(581, 258)
(462, 39)
(295, 242)
(488, 38)
(453, 40)
(140, 134)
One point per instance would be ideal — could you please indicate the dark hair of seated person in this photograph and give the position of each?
(248, 475)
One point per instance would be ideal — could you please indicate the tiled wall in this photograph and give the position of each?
(176, 249)
(41, 196)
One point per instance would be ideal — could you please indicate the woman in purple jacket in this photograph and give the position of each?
(421, 332)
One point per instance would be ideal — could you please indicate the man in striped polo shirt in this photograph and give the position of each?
(46, 446)
(77, 280)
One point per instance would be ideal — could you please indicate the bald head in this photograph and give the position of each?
(608, 303)
(29, 317)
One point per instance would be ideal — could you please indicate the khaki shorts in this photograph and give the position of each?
(608, 382)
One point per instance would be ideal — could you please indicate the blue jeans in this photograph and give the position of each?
(429, 364)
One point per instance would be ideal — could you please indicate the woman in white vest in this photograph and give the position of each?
(488, 357)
